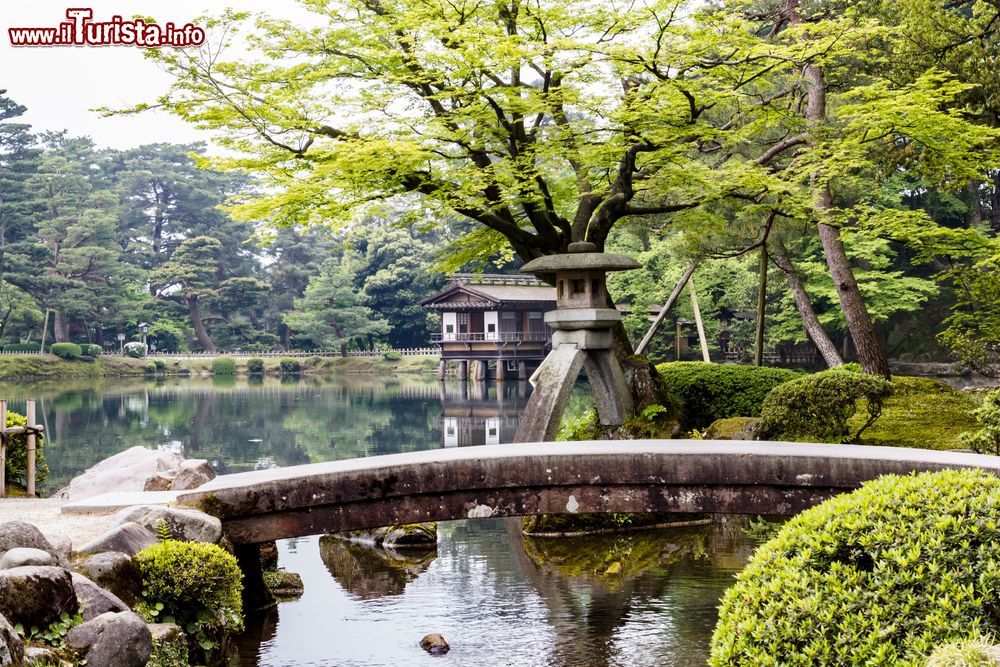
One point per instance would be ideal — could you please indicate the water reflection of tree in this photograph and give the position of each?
(370, 572)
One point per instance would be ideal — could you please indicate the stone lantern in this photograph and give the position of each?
(582, 340)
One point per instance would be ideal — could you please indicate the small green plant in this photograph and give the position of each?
(150, 368)
(987, 439)
(193, 584)
(55, 633)
(163, 532)
(223, 366)
(818, 407)
(289, 365)
(880, 576)
(160, 364)
(22, 347)
(255, 366)
(66, 350)
(975, 652)
(91, 349)
(134, 349)
(391, 355)
(709, 392)
(760, 530)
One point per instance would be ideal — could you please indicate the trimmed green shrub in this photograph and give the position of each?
(255, 366)
(66, 350)
(817, 407)
(987, 439)
(392, 355)
(16, 464)
(134, 349)
(881, 576)
(160, 364)
(193, 584)
(976, 652)
(716, 391)
(289, 365)
(22, 347)
(223, 366)
(91, 349)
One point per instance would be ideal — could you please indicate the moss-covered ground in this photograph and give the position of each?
(921, 413)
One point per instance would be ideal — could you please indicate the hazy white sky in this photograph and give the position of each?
(60, 85)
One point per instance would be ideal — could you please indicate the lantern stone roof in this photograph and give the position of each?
(580, 261)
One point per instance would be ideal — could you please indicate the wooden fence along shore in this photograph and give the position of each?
(32, 430)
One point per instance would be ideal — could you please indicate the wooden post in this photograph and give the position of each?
(677, 341)
(758, 347)
(3, 448)
(641, 347)
(697, 320)
(30, 472)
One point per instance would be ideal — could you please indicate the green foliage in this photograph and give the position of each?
(760, 530)
(135, 349)
(87, 358)
(193, 584)
(392, 355)
(223, 366)
(150, 368)
(16, 463)
(169, 653)
(66, 350)
(880, 576)
(987, 439)
(716, 391)
(974, 652)
(163, 531)
(91, 349)
(289, 365)
(818, 407)
(22, 347)
(55, 633)
(160, 365)
(255, 366)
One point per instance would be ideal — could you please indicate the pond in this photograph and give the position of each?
(499, 598)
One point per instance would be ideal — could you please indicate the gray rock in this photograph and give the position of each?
(113, 640)
(35, 596)
(187, 525)
(14, 534)
(434, 644)
(23, 556)
(160, 481)
(95, 600)
(192, 474)
(11, 646)
(128, 538)
(62, 547)
(169, 644)
(125, 471)
(115, 572)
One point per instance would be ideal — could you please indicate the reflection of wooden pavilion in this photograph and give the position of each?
(480, 414)
(493, 321)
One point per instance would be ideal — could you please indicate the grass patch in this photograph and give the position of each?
(49, 365)
(922, 413)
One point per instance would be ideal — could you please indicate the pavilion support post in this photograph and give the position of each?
(501, 369)
(442, 369)
(30, 473)
(463, 370)
(480, 370)
(522, 371)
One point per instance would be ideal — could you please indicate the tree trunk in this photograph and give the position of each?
(814, 330)
(871, 352)
(59, 328)
(194, 312)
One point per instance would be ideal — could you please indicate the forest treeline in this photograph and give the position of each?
(840, 159)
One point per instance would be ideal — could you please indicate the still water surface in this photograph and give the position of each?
(499, 598)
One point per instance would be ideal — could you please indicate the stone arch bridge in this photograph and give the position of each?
(769, 478)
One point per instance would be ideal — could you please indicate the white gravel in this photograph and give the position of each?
(44, 513)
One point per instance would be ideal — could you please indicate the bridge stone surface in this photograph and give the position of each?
(770, 478)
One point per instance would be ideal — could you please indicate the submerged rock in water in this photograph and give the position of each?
(434, 644)
(404, 535)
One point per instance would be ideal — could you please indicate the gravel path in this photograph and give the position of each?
(45, 514)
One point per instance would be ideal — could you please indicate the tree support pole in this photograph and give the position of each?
(654, 327)
(697, 320)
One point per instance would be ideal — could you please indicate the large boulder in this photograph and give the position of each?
(115, 572)
(129, 538)
(20, 534)
(23, 556)
(161, 481)
(192, 474)
(62, 546)
(113, 640)
(125, 471)
(11, 646)
(184, 524)
(95, 600)
(35, 596)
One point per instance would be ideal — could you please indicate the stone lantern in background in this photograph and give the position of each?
(582, 340)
